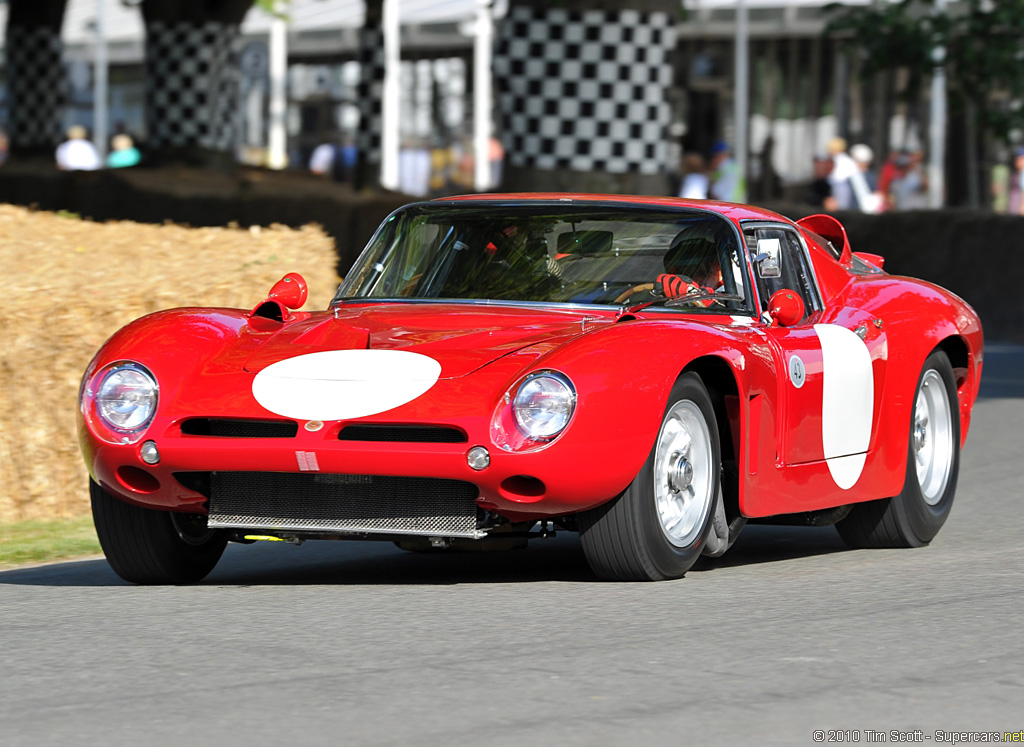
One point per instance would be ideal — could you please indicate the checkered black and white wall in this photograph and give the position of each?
(370, 92)
(192, 92)
(36, 87)
(585, 90)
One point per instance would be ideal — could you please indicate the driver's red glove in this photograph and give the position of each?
(673, 286)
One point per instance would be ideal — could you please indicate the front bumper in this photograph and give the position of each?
(313, 481)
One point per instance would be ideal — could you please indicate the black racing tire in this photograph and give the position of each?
(147, 546)
(914, 517)
(626, 539)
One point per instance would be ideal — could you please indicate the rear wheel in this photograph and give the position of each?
(657, 528)
(914, 517)
(147, 546)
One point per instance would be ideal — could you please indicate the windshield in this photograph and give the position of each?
(548, 253)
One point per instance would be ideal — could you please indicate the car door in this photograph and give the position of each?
(825, 378)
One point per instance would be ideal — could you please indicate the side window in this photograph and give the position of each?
(782, 265)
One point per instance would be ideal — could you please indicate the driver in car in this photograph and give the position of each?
(691, 267)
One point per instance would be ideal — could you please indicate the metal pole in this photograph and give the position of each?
(391, 103)
(277, 149)
(482, 103)
(937, 125)
(100, 126)
(742, 95)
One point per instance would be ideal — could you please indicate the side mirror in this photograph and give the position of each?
(291, 290)
(767, 266)
(786, 308)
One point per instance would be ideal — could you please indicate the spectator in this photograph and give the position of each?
(695, 182)
(909, 189)
(496, 155)
(865, 186)
(1016, 198)
(840, 178)
(4, 146)
(819, 191)
(77, 153)
(414, 166)
(727, 183)
(890, 170)
(337, 162)
(123, 152)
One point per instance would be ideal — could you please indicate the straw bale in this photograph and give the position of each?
(68, 284)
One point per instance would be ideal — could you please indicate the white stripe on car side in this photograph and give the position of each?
(848, 397)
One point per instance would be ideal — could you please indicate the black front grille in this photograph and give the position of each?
(343, 503)
(239, 428)
(423, 434)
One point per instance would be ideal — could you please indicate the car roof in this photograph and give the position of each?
(731, 210)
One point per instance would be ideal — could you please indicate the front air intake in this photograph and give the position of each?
(422, 434)
(239, 428)
(370, 504)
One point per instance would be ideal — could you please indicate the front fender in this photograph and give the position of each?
(623, 375)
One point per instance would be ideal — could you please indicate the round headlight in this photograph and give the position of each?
(126, 397)
(544, 404)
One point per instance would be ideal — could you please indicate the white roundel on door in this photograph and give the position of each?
(344, 384)
(848, 400)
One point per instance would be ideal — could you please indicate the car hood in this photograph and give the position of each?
(460, 337)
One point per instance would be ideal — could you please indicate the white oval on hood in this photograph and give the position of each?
(344, 384)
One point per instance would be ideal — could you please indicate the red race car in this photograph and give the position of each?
(650, 373)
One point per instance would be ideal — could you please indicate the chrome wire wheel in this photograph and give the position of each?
(683, 474)
(932, 437)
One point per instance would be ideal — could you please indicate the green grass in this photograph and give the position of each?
(45, 540)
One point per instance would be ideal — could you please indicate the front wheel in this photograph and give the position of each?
(914, 517)
(657, 528)
(147, 546)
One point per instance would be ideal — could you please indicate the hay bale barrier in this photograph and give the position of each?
(68, 284)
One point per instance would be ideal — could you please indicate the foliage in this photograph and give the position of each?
(983, 42)
(889, 35)
(45, 540)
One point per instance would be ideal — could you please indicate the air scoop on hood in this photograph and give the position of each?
(344, 384)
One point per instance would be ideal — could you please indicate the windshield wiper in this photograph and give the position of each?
(682, 300)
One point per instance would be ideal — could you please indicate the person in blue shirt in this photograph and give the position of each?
(123, 152)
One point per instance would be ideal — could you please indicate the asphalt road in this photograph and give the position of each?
(362, 644)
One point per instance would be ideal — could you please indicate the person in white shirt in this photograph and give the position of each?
(849, 185)
(77, 153)
(321, 162)
(696, 183)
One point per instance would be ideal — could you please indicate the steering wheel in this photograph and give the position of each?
(631, 291)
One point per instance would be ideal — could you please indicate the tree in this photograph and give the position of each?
(984, 58)
(582, 94)
(36, 81)
(192, 80)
